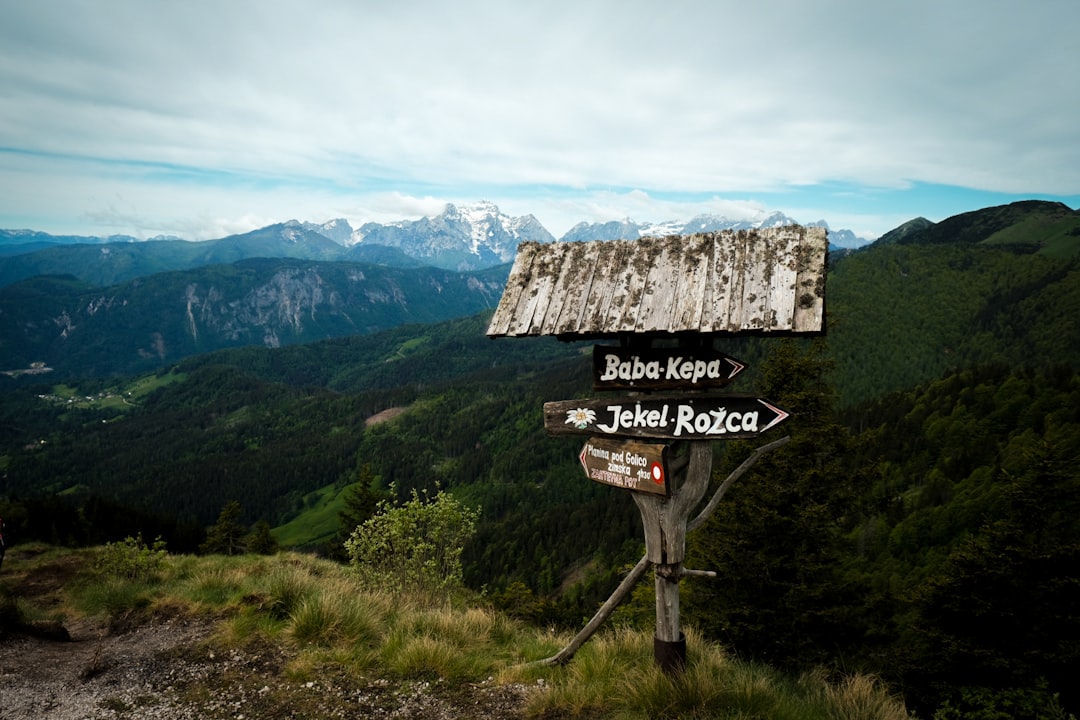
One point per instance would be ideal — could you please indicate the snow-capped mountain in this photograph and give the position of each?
(630, 230)
(469, 236)
(462, 238)
(612, 230)
(338, 230)
(479, 235)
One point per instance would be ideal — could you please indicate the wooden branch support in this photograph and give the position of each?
(735, 475)
(567, 653)
(670, 644)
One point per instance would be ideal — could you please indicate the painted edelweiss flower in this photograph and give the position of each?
(581, 417)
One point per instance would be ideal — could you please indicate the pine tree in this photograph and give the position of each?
(776, 538)
(260, 541)
(226, 536)
(361, 501)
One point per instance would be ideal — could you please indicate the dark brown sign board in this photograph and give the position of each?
(662, 368)
(673, 417)
(626, 464)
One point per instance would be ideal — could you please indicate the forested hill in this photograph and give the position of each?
(1030, 226)
(901, 314)
(897, 315)
(83, 331)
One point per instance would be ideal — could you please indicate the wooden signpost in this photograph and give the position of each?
(688, 289)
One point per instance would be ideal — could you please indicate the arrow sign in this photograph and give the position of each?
(681, 417)
(626, 464)
(662, 368)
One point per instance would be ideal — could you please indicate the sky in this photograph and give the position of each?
(205, 118)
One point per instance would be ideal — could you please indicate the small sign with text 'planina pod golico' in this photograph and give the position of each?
(626, 464)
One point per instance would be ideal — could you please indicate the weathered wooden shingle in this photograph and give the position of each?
(728, 282)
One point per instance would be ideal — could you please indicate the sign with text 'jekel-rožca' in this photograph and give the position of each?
(675, 417)
(662, 368)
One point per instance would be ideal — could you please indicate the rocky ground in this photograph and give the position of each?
(169, 667)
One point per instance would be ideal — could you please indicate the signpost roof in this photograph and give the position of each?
(768, 280)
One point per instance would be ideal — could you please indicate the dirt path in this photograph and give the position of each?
(169, 667)
(98, 675)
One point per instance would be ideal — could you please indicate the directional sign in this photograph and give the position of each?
(662, 368)
(626, 464)
(678, 417)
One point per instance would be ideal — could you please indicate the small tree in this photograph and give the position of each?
(226, 536)
(260, 540)
(360, 501)
(415, 547)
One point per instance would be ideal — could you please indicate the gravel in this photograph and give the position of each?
(169, 668)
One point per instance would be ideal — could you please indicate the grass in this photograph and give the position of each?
(1052, 236)
(319, 522)
(312, 613)
(408, 348)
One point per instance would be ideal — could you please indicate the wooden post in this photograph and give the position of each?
(664, 521)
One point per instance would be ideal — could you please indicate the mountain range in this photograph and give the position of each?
(465, 237)
(128, 307)
(630, 230)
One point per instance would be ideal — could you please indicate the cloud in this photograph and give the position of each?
(370, 106)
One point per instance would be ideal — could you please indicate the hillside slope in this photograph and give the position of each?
(1034, 225)
(291, 636)
(143, 324)
(902, 314)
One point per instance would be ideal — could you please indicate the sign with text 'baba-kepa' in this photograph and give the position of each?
(662, 368)
(677, 417)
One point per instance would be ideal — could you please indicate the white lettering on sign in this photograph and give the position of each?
(632, 369)
(675, 370)
(635, 418)
(714, 422)
(688, 421)
(718, 417)
(617, 478)
(598, 452)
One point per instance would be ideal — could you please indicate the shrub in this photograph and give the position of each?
(415, 547)
(132, 559)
